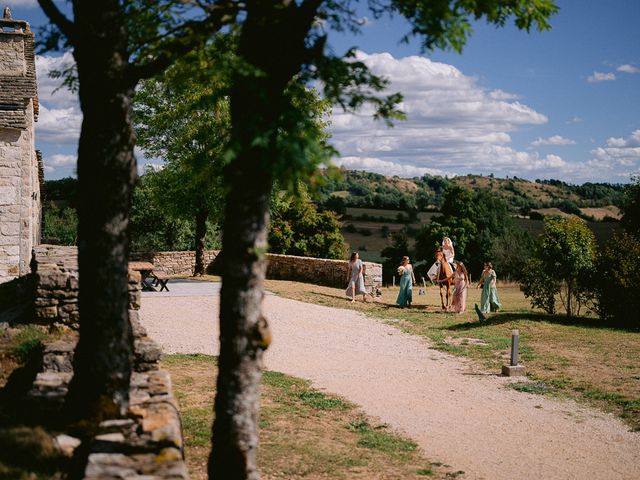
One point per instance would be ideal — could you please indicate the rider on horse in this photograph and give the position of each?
(448, 251)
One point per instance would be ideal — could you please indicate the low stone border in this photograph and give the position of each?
(320, 271)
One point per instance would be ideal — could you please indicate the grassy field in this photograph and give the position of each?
(575, 357)
(304, 433)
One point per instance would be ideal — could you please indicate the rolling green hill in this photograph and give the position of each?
(373, 206)
(372, 190)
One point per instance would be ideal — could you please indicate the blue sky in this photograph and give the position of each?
(561, 104)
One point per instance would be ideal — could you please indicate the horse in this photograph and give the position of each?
(444, 279)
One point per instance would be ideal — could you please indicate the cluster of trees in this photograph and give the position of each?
(480, 226)
(276, 52)
(157, 223)
(567, 270)
(371, 190)
(563, 269)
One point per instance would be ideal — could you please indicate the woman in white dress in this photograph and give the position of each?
(355, 276)
(449, 252)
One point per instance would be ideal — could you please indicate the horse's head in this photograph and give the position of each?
(439, 254)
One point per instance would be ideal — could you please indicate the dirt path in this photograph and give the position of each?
(458, 417)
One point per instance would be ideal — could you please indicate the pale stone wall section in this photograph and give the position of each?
(12, 60)
(20, 209)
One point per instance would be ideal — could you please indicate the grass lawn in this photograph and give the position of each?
(304, 433)
(575, 357)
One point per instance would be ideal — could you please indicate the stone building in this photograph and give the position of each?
(20, 164)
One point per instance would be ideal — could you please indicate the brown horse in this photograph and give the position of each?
(444, 279)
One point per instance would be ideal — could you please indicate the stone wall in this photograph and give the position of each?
(321, 271)
(19, 167)
(332, 273)
(147, 443)
(55, 279)
(175, 263)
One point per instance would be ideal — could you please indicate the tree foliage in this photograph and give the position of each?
(617, 281)
(474, 220)
(631, 207)
(182, 116)
(154, 228)
(298, 228)
(561, 267)
(393, 254)
(60, 224)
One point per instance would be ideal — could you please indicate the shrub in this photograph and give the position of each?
(618, 281)
(562, 265)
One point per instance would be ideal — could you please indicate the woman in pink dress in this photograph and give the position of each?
(460, 285)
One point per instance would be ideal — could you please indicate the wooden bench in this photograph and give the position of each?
(161, 279)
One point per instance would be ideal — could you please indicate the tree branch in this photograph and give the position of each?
(66, 26)
(193, 33)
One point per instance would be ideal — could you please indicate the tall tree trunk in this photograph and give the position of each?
(106, 173)
(257, 105)
(201, 231)
(242, 335)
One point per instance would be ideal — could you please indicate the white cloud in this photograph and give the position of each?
(59, 126)
(386, 167)
(50, 91)
(619, 152)
(57, 161)
(502, 95)
(554, 140)
(596, 77)
(573, 120)
(626, 68)
(60, 116)
(453, 125)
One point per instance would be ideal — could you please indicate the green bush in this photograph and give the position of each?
(562, 266)
(618, 279)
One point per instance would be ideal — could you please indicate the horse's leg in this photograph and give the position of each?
(442, 297)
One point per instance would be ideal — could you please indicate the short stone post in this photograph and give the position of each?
(514, 369)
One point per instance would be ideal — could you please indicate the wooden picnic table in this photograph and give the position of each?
(146, 273)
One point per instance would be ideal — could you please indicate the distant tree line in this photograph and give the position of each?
(372, 190)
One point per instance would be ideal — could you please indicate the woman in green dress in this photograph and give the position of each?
(489, 301)
(407, 280)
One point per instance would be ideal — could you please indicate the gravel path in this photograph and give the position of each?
(457, 416)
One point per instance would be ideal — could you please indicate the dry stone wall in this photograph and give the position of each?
(175, 263)
(321, 271)
(148, 443)
(55, 278)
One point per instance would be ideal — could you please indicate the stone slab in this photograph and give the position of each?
(513, 370)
